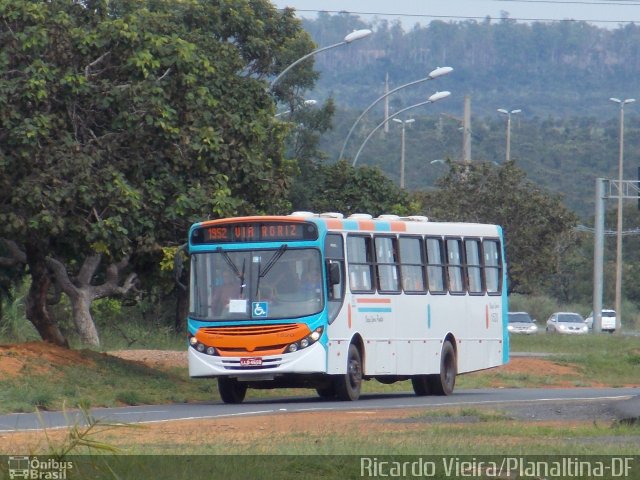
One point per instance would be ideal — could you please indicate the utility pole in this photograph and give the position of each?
(618, 300)
(404, 123)
(466, 130)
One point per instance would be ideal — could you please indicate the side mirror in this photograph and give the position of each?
(333, 273)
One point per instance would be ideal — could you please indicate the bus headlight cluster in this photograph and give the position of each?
(201, 347)
(310, 339)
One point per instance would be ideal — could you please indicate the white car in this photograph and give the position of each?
(521, 322)
(608, 320)
(566, 322)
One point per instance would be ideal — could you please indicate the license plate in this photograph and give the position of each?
(251, 362)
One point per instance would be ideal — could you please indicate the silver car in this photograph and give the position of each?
(566, 322)
(521, 322)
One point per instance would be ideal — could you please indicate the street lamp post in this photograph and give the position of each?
(438, 72)
(508, 114)
(618, 299)
(352, 37)
(404, 123)
(433, 98)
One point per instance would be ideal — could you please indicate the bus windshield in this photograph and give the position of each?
(256, 284)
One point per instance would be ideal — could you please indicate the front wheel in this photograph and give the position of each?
(444, 383)
(327, 392)
(420, 385)
(348, 385)
(231, 390)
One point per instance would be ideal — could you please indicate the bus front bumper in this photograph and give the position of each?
(309, 360)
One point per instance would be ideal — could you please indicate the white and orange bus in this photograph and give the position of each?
(325, 301)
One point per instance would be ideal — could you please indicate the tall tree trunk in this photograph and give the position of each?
(81, 306)
(36, 303)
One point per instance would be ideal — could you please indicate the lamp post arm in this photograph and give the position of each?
(302, 59)
(355, 159)
(433, 98)
(379, 99)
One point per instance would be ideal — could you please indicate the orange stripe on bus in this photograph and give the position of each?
(398, 226)
(256, 340)
(349, 316)
(486, 311)
(366, 225)
(333, 223)
(373, 300)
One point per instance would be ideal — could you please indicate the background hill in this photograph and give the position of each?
(560, 75)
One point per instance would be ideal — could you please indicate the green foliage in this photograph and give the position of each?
(133, 119)
(124, 122)
(81, 436)
(339, 187)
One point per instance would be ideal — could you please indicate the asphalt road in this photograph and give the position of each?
(622, 404)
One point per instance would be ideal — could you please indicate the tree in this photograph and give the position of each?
(538, 229)
(339, 187)
(124, 121)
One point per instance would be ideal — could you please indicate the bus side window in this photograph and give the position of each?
(411, 265)
(387, 264)
(454, 265)
(360, 256)
(435, 265)
(474, 269)
(492, 266)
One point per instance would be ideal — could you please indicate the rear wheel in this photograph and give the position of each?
(348, 386)
(231, 390)
(444, 383)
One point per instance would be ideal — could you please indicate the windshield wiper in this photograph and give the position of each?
(272, 261)
(233, 267)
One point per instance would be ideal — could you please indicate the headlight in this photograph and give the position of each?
(201, 347)
(310, 339)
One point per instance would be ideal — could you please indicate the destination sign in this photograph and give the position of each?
(255, 232)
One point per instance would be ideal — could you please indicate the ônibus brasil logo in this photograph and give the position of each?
(37, 469)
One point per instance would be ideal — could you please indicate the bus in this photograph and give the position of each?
(324, 301)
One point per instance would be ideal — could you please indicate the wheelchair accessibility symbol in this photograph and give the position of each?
(260, 309)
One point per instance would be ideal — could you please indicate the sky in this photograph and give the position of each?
(603, 13)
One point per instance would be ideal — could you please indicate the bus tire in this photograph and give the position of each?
(348, 386)
(231, 390)
(327, 392)
(420, 385)
(444, 383)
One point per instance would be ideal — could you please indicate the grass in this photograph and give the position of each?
(445, 432)
(102, 381)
